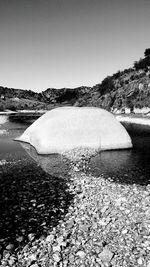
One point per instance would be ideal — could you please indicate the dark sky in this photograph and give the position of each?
(68, 43)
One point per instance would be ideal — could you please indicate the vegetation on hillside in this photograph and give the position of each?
(18, 99)
(124, 89)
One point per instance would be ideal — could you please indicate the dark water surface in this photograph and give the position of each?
(34, 194)
(31, 200)
(125, 166)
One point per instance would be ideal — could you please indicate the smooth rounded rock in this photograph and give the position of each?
(67, 128)
(10, 247)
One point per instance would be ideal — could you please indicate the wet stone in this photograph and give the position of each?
(20, 239)
(10, 247)
(31, 237)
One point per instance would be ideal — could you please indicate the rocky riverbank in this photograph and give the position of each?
(107, 224)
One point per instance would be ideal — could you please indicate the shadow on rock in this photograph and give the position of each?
(31, 200)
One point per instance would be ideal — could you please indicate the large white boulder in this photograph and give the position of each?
(66, 128)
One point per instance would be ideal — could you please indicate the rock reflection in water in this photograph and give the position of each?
(54, 164)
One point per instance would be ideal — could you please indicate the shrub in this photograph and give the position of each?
(147, 52)
(142, 63)
(12, 108)
(107, 85)
(2, 108)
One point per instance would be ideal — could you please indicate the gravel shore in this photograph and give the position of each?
(107, 224)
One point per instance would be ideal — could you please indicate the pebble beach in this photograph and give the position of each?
(107, 224)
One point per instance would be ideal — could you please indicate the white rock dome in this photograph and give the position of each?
(66, 128)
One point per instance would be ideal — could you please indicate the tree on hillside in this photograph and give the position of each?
(147, 52)
(106, 85)
(143, 63)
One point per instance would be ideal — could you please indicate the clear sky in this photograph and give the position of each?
(69, 43)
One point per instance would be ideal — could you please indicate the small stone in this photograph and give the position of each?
(34, 265)
(71, 258)
(26, 247)
(60, 239)
(33, 200)
(19, 239)
(43, 224)
(10, 247)
(148, 264)
(81, 254)
(104, 209)
(106, 255)
(124, 231)
(76, 169)
(6, 254)
(102, 222)
(56, 257)
(32, 257)
(65, 263)
(63, 244)
(56, 248)
(99, 261)
(50, 238)
(127, 211)
(31, 237)
(41, 206)
(140, 261)
(11, 262)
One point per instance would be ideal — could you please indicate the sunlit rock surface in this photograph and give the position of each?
(66, 128)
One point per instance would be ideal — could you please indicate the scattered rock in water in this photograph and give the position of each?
(19, 239)
(31, 237)
(10, 247)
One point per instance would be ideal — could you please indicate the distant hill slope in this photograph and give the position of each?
(17, 99)
(125, 89)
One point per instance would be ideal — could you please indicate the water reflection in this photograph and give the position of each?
(55, 164)
(125, 166)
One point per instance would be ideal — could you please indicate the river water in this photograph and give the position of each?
(34, 194)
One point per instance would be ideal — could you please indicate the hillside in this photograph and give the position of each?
(130, 90)
(17, 99)
(124, 89)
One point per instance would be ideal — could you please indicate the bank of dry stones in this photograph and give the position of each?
(108, 224)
